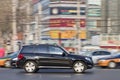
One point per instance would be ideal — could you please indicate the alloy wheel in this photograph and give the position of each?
(30, 67)
(79, 67)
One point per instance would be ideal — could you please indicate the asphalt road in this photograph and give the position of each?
(60, 74)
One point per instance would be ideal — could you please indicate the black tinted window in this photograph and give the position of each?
(27, 49)
(55, 50)
(41, 49)
(105, 53)
(96, 53)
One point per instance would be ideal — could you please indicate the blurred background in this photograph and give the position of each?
(76, 25)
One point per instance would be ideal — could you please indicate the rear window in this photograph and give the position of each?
(27, 49)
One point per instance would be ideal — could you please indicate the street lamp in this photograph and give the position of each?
(77, 26)
(78, 40)
(14, 28)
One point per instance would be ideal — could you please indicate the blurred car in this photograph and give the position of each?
(5, 61)
(97, 54)
(13, 62)
(110, 62)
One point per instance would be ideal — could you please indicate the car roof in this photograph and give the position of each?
(40, 44)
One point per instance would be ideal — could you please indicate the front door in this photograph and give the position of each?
(57, 57)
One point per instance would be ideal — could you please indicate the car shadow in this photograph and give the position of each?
(57, 71)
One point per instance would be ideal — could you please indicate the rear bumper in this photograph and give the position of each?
(20, 63)
(90, 66)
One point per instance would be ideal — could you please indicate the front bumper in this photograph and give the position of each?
(89, 65)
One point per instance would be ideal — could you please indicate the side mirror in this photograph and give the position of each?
(64, 54)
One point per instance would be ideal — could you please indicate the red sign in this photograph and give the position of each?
(62, 22)
(111, 42)
(35, 1)
(2, 52)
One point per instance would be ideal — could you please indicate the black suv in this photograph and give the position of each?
(33, 57)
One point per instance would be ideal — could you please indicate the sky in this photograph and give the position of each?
(94, 2)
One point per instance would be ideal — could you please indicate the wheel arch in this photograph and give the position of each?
(79, 60)
(35, 66)
(31, 60)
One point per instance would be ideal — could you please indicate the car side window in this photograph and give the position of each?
(105, 53)
(40, 49)
(100, 53)
(97, 53)
(55, 50)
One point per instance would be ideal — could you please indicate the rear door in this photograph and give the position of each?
(41, 55)
(27, 51)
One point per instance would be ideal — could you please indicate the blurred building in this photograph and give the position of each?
(59, 20)
(93, 17)
(110, 16)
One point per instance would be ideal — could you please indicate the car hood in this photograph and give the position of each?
(76, 56)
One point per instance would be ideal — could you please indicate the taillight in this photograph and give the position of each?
(20, 56)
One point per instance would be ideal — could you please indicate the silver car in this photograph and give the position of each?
(97, 54)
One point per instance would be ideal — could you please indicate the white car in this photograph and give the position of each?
(97, 54)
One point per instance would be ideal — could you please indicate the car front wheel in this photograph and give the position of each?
(79, 67)
(30, 67)
(112, 65)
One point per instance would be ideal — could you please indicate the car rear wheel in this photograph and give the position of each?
(7, 64)
(112, 65)
(30, 67)
(79, 67)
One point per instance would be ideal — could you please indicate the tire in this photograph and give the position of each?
(7, 64)
(31, 67)
(112, 65)
(79, 67)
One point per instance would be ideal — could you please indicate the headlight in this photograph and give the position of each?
(88, 59)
